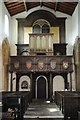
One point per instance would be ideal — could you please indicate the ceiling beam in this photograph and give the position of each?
(56, 4)
(41, 3)
(25, 5)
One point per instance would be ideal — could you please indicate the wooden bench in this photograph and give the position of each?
(17, 101)
(69, 103)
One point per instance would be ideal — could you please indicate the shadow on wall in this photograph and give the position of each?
(69, 49)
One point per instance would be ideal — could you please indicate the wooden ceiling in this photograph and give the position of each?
(21, 6)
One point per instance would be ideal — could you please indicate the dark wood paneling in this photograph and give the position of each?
(41, 14)
(69, 103)
(40, 64)
(17, 101)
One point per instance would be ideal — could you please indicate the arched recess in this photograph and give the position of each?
(45, 84)
(41, 26)
(24, 83)
(58, 83)
(5, 56)
(41, 14)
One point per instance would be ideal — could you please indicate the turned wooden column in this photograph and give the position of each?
(31, 83)
(51, 86)
(11, 83)
(70, 81)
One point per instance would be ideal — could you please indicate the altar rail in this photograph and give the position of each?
(56, 64)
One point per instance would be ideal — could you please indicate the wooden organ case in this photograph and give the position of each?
(41, 68)
(41, 44)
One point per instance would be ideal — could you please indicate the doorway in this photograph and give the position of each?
(41, 88)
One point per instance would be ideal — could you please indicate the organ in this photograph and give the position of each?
(41, 44)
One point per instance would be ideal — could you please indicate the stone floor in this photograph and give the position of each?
(41, 109)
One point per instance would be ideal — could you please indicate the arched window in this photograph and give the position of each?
(45, 28)
(36, 28)
(6, 25)
(41, 26)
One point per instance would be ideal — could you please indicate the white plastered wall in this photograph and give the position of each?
(14, 37)
(72, 31)
(3, 12)
(79, 19)
(0, 46)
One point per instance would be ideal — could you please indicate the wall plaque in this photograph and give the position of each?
(28, 64)
(40, 64)
(53, 64)
(65, 65)
(16, 65)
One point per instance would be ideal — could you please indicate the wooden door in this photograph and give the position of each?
(41, 88)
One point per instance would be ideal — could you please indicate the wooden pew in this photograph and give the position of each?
(17, 102)
(69, 103)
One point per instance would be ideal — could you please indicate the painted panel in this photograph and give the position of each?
(55, 31)
(27, 31)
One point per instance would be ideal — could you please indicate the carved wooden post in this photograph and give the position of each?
(51, 86)
(11, 84)
(31, 83)
(70, 81)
